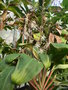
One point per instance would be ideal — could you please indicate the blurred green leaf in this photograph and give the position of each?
(3, 65)
(16, 11)
(5, 79)
(65, 4)
(64, 32)
(45, 60)
(58, 51)
(27, 68)
(62, 66)
(11, 57)
(2, 6)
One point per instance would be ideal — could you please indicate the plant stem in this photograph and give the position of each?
(50, 83)
(48, 77)
(33, 85)
(37, 84)
(43, 78)
(39, 79)
(51, 88)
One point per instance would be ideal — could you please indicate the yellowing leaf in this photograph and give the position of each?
(37, 36)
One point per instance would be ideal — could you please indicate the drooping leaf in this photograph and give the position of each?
(11, 57)
(45, 60)
(5, 79)
(27, 68)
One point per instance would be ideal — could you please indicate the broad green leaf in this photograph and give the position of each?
(11, 57)
(3, 65)
(45, 60)
(58, 51)
(27, 68)
(5, 79)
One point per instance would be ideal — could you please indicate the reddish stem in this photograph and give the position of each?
(37, 84)
(33, 85)
(52, 87)
(50, 83)
(43, 78)
(48, 78)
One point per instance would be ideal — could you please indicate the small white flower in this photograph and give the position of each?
(59, 22)
(51, 14)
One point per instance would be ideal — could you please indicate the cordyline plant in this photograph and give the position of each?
(18, 68)
(39, 57)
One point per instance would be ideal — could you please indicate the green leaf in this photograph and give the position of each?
(58, 51)
(64, 32)
(11, 57)
(14, 1)
(26, 2)
(16, 11)
(64, 83)
(63, 39)
(5, 79)
(1, 49)
(45, 60)
(62, 66)
(2, 6)
(65, 4)
(35, 52)
(47, 2)
(3, 65)
(27, 68)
